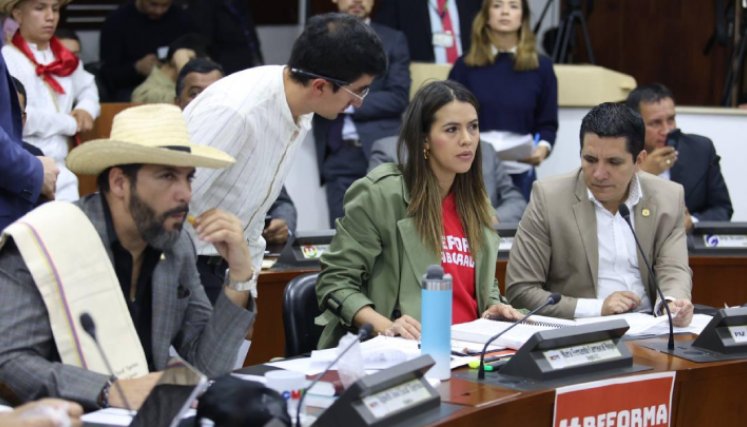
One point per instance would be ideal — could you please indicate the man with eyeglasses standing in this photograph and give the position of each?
(343, 145)
(261, 115)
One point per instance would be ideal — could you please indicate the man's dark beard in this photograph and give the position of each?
(151, 227)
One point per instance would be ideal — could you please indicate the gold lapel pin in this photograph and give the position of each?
(163, 257)
(645, 212)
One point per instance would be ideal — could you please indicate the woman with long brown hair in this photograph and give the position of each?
(429, 209)
(516, 87)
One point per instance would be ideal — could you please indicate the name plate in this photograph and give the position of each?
(725, 241)
(582, 354)
(739, 333)
(397, 398)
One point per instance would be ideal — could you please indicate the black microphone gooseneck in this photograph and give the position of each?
(86, 321)
(365, 331)
(551, 300)
(625, 213)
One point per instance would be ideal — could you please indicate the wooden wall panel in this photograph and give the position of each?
(660, 40)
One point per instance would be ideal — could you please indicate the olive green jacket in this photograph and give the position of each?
(377, 258)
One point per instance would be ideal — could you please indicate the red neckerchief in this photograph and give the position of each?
(64, 64)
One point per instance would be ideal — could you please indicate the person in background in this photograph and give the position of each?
(24, 178)
(62, 97)
(196, 75)
(516, 87)
(436, 30)
(685, 158)
(343, 145)
(261, 115)
(574, 240)
(69, 39)
(400, 219)
(229, 28)
(160, 84)
(134, 39)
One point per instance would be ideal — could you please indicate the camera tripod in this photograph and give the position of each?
(566, 30)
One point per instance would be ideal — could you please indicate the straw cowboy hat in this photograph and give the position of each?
(7, 5)
(153, 134)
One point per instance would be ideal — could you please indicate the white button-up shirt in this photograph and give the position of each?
(245, 114)
(618, 256)
(49, 123)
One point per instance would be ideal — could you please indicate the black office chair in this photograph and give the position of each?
(299, 310)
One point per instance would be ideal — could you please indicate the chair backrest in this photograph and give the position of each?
(422, 73)
(299, 310)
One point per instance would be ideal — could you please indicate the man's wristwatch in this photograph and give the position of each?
(239, 286)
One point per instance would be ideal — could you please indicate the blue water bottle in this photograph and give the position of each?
(435, 337)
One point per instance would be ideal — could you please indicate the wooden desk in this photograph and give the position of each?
(704, 394)
(716, 280)
(268, 339)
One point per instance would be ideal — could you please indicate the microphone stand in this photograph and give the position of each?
(86, 321)
(625, 213)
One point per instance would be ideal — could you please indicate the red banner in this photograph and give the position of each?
(638, 401)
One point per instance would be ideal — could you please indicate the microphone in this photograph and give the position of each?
(86, 321)
(625, 214)
(551, 300)
(365, 331)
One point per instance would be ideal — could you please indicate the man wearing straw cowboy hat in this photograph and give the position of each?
(120, 255)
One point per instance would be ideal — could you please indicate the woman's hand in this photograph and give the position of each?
(405, 326)
(502, 312)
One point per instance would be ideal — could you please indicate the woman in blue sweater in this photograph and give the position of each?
(516, 87)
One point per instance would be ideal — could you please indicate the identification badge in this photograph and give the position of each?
(443, 40)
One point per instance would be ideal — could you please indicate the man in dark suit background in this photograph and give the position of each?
(413, 17)
(688, 159)
(344, 144)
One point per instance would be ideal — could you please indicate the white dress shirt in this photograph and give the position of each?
(49, 124)
(618, 257)
(439, 52)
(246, 115)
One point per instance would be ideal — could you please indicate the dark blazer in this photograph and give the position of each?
(21, 174)
(381, 113)
(698, 170)
(411, 17)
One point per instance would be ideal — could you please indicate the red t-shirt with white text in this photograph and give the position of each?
(456, 259)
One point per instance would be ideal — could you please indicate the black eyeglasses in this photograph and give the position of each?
(360, 94)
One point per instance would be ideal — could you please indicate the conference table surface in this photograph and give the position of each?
(717, 280)
(707, 394)
(704, 394)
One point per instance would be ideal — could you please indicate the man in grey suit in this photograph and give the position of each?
(145, 188)
(573, 240)
(505, 197)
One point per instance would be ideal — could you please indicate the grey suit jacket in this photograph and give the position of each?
(556, 247)
(507, 200)
(182, 316)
